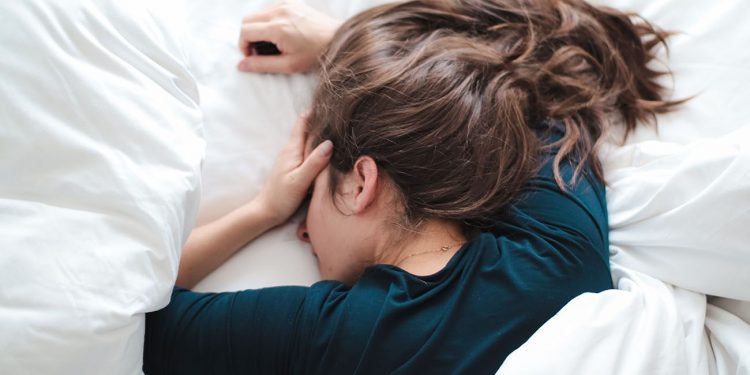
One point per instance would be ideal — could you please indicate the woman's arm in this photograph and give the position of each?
(247, 332)
(212, 244)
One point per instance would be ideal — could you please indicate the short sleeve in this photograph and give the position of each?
(247, 332)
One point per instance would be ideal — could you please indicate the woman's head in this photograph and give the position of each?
(445, 101)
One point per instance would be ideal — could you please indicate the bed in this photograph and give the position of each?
(124, 125)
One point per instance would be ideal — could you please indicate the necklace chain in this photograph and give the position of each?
(443, 249)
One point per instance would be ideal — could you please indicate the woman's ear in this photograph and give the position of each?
(364, 184)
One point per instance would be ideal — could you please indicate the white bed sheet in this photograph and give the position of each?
(248, 117)
(679, 198)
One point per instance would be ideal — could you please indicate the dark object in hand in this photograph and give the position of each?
(265, 48)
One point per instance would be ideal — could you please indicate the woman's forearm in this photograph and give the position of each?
(286, 187)
(212, 244)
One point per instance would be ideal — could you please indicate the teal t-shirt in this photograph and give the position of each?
(491, 297)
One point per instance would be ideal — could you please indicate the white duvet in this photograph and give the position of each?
(679, 198)
(100, 153)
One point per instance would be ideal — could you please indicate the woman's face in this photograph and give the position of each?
(340, 241)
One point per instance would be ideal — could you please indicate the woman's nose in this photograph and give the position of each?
(302, 231)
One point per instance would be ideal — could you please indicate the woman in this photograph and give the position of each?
(457, 202)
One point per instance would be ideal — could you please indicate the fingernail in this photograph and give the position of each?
(326, 147)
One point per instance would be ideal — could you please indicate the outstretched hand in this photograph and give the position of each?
(293, 174)
(300, 33)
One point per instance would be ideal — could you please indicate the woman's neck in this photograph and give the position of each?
(424, 251)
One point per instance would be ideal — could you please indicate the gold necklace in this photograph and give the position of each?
(443, 249)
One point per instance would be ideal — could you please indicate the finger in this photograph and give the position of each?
(256, 32)
(294, 149)
(298, 138)
(299, 131)
(305, 116)
(315, 163)
(267, 64)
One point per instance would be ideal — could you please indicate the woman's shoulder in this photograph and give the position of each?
(554, 230)
(574, 213)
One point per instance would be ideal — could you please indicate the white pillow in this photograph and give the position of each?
(100, 150)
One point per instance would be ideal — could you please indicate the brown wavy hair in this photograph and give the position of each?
(449, 97)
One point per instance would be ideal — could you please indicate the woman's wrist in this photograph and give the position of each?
(258, 216)
(212, 244)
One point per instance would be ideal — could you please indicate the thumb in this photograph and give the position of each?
(315, 162)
